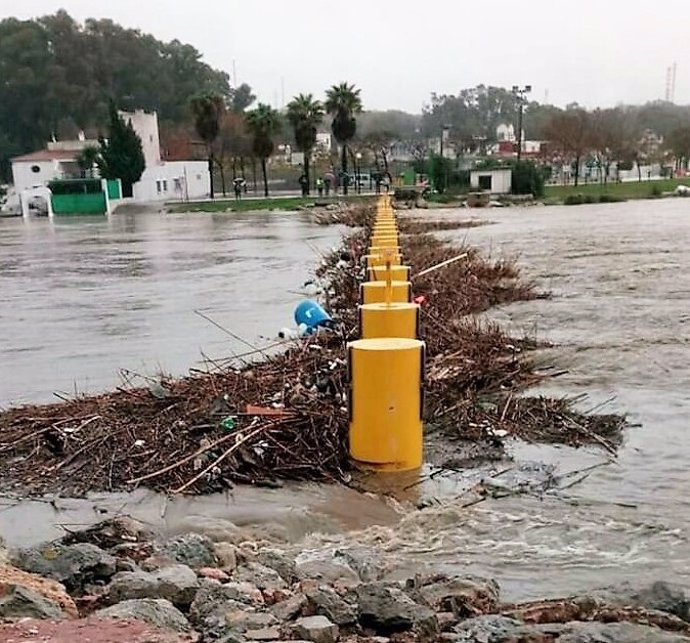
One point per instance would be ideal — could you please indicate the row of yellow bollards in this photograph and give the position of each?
(387, 363)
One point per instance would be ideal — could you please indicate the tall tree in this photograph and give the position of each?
(263, 124)
(121, 154)
(679, 140)
(241, 98)
(305, 115)
(343, 102)
(208, 110)
(571, 134)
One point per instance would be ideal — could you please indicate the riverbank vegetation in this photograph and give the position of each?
(279, 412)
(612, 191)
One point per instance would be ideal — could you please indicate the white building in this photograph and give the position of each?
(161, 180)
(496, 181)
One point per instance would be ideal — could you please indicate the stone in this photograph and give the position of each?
(259, 575)
(364, 561)
(214, 573)
(72, 565)
(264, 634)
(273, 596)
(317, 629)
(279, 561)
(464, 596)
(226, 553)
(327, 603)
(617, 633)
(212, 599)
(388, 609)
(193, 550)
(49, 589)
(290, 608)
(154, 611)
(17, 601)
(126, 565)
(177, 584)
(662, 596)
(446, 620)
(244, 621)
(111, 533)
(486, 629)
(323, 567)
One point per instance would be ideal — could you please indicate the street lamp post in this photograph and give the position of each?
(358, 170)
(520, 93)
(444, 137)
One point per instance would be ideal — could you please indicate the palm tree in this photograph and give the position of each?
(263, 123)
(208, 110)
(305, 114)
(343, 102)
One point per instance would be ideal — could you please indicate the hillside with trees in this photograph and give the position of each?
(58, 77)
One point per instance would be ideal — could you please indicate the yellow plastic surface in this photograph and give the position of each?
(374, 292)
(398, 273)
(389, 320)
(379, 260)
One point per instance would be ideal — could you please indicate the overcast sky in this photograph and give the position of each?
(596, 52)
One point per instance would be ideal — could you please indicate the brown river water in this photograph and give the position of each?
(83, 298)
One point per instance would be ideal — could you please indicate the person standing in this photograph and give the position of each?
(304, 184)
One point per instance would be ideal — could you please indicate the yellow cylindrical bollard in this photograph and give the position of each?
(380, 250)
(389, 320)
(379, 260)
(374, 292)
(398, 273)
(385, 242)
(384, 231)
(386, 403)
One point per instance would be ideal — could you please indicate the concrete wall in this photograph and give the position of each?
(146, 126)
(25, 178)
(174, 181)
(500, 180)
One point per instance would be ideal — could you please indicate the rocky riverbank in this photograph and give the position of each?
(118, 582)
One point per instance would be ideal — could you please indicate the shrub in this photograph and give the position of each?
(574, 199)
(528, 178)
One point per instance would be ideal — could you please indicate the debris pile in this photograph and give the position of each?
(262, 417)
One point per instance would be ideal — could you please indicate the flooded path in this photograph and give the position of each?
(620, 278)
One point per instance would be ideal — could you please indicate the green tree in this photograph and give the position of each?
(121, 154)
(527, 178)
(679, 140)
(263, 124)
(571, 133)
(304, 115)
(208, 110)
(241, 98)
(343, 102)
(86, 159)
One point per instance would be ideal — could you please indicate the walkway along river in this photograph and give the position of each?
(619, 275)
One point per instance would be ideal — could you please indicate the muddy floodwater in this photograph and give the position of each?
(82, 299)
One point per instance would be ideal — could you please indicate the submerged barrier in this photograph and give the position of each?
(386, 364)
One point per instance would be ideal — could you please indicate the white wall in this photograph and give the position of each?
(146, 126)
(25, 178)
(174, 180)
(500, 180)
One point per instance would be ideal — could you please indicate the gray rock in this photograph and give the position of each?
(17, 601)
(662, 596)
(325, 568)
(328, 603)
(487, 629)
(364, 561)
(245, 621)
(317, 629)
(214, 600)
(387, 609)
(264, 634)
(279, 561)
(177, 584)
(617, 633)
(259, 575)
(193, 550)
(157, 612)
(464, 596)
(288, 609)
(226, 553)
(72, 565)
(111, 533)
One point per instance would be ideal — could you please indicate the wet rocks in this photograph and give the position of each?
(279, 561)
(193, 550)
(157, 612)
(317, 629)
(259, 575)
(51, 590)
(661, 596)
(464, 596)
(322, 566)
(388, 609)
(326, 602)
(73, 565)
(17, 601)
(289, 608)
(177, 584)
(108, 534)
(226, 554)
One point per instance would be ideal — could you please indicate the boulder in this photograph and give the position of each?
(212, 599)
(464, 596)
(177, 584)
(664, 597)
(49, 589)
(279, 561)
(111, 533)
(226, 553)
(193, 550)
(328, 603)
(323, 567)
(260, 576)
(72, 565)
(17, 601)
(264, 634)
(317, 629)
(617, 633)
(154, 611)
(214, 573)
(364, 561)
(244, 621)
(489, 629)
(288, 609)
(387, 609)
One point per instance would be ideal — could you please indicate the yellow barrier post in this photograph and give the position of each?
(374, 292)
(386, 401)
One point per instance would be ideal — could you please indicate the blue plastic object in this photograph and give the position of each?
(312, 315)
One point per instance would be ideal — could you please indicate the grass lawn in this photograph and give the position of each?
(627, 190)
(251, 205)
